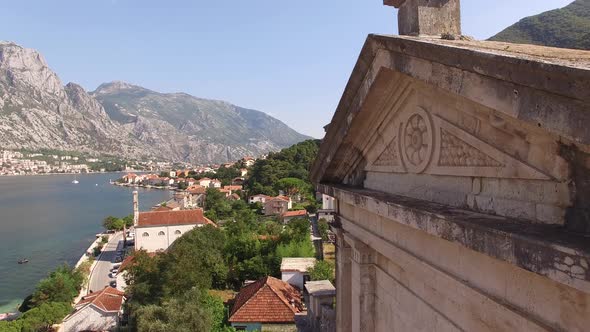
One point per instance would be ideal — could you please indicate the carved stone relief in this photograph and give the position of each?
(425, 143)
(417, 141)
(455, 152)
(390, 156)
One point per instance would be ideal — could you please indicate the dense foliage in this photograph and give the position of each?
(50, 302)
(568, 27)
(248, 247)
(223, 174)
(322, 270)
(114, 223)
(281, 170)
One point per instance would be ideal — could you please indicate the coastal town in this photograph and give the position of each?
(56, 162)
(450, 191)
(298, 300)
(291, 209)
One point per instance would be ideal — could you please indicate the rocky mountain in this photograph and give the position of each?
(188, 126)
(38, 111)
(568, 27)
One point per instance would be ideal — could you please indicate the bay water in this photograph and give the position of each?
(49, 220)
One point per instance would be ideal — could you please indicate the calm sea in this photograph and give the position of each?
(49, 220)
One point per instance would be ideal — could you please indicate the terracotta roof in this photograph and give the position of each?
(125, 263)
(282, 198)
(129, 260)
(108, 299)
(196, 189)
(268, 300)
(261, 195)
(233, 187)
(235, 197)
(162, 208)
(180, 217)
(297, 213)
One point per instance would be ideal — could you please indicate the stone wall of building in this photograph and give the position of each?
(460, 171)
(410, 281)
(470, 157)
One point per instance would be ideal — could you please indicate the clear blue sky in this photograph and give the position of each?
(290, 59)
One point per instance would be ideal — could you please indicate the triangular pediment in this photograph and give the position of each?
(419, 142)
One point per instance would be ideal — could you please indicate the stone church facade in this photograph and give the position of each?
(461, 176)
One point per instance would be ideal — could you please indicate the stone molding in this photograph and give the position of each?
(543, 249)
(529, 83)
(431, 144)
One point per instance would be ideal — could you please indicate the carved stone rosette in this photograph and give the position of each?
(417, 141)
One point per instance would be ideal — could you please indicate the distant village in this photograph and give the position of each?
(40, 163)
(290, 303)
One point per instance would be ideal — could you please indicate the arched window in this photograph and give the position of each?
(161, 233)
(177, 232)
(145, 234)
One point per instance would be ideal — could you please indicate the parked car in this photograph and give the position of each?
(118, 259)
(113, 283)
(113, 275)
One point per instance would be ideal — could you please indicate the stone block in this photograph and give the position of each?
(429, 17)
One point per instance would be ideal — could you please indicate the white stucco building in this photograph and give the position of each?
(157, 230)
(294, 270)
(99, 311)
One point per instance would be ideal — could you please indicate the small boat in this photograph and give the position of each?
(23, 261)
(75, 180)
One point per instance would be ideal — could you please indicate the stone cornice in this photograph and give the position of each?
(547, 250)
(545, 87)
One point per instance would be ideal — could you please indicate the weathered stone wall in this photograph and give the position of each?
(470, 157)
(461, 174)
(422, 283)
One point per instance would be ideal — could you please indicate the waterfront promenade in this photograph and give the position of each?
(99, 276)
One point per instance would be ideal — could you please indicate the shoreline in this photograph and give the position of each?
(15, 314)
(148, 186)
(73, 173)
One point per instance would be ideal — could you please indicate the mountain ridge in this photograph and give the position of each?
(37, 111)
(567, 27)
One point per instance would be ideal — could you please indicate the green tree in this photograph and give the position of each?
(323, 228)
(113, 223)
(62, 285)
(128, 220)
(185, 313)
(322, 270)
(217, 206)
(40, 318)
(292, 162)
(293, 186)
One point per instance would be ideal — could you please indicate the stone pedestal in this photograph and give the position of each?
(427, 17)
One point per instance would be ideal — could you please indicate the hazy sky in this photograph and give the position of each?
(290, 59)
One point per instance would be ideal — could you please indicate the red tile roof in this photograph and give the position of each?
(165, 218)
(268, 300)
(129, 260)
(196, 189)
(162, 208)
(262, 195)
(283, 198)
(297, 213)
(125, 263)
(108, 299)
(233, 187)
